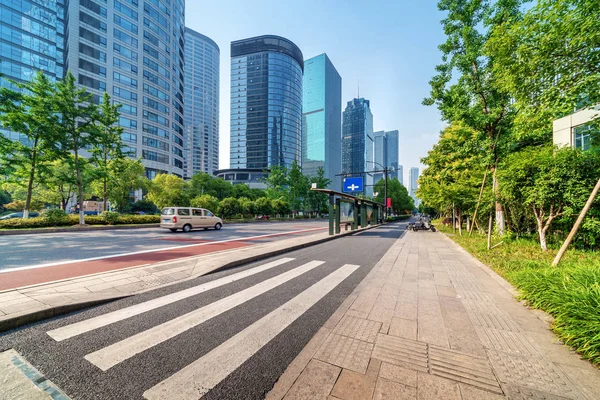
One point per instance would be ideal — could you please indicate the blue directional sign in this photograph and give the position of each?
(354, 184)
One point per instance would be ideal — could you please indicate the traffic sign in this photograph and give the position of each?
(354, 184)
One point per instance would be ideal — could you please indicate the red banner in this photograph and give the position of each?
(389, 203)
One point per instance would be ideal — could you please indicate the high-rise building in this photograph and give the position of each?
(401, 174)
(134, 50)
(413, 178)
(322, 119)
(357, 141)
(31, 39)
(386, 154)
(201, 104)
(266, 103)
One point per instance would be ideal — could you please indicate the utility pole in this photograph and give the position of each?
(385, 171)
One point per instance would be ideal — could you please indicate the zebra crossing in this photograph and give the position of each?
(196, 379)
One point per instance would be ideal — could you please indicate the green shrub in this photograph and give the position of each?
(54, 215)
(138, 219)
(70, 220)
(110, 217)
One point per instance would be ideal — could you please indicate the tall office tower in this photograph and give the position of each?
(380, 154)
(134, 50)
(357, 141)
(392, 153)
(401, 174)
(322, 119)
(386, 154)
(201, 104)
(31, 39)
(266, 103)
(413, 178)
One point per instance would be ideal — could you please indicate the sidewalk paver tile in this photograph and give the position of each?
(356, 328)
(406, 311)
(401, 352)
(407, 377)
(532, 373)
(404, 328)
(431, 387)
(389, 390)
(469, 392)
(315, 382)
(21, 306)
(346, 352)
(354, 386)
(515, 392)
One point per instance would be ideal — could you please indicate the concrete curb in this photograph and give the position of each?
(45, 313)
(74, 229)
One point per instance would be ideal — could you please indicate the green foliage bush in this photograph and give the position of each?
(54, 215)
(110, 217)
(70, 220)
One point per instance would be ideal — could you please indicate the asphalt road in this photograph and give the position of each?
(231, 341)
(39, 249)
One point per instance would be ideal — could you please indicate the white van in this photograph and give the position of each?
(188, 218)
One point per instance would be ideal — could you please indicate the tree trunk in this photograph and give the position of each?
(468, 224)
(459, 217)
(500, 221)
(105, 200)
(542, 234)
(478, 201)
(79, 188)
(31, 178)
(489, 237)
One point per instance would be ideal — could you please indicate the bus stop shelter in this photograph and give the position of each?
(351, 211)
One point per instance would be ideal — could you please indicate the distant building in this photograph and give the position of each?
(266, 103)
(201, 104)
(386, 153)
(254, 178)
(322, 119)
(413, 178)
(357, 142)
(401, 174)
(575, 130)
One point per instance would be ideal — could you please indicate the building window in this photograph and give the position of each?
(583, 136)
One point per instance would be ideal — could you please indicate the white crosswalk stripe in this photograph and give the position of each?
(195, 380)
(114, 354)
(91, 324)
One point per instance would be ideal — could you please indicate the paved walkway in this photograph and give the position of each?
(25, 304)
(431, 322)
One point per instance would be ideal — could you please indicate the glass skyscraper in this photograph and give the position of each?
(357, 141)
(201, 104)
(134, 50)
(266, 102)
(31, 39)
(386, 153)
(413, 180)
(322, 119)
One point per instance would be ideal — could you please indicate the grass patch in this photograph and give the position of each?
(570, 292)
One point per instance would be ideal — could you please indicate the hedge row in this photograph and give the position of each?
(71, 220)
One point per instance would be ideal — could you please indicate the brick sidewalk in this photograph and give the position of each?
(432, 322)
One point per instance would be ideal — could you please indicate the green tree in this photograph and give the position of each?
(466, 89)
(168, 191)
(32, 112)
(203, 183)
(124, 175)
(298, 188)
(549, 182)
(228, 207)
(247, 206)
(205, 201)
(401, 201)
(550, 62)
(60, 182)
(78, 114)
(263, 206)
(277, 183)
(107, 145)
(4, 199)
(316, 200)
(280, 207)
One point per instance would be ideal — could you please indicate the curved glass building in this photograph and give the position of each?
(201, 103)
(266, 103)
(134, 50)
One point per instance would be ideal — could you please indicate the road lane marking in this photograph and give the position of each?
(199, 377)
(91, 324)
(237, 239)
(118, 352)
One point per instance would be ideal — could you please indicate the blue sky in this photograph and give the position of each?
(389, 46)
